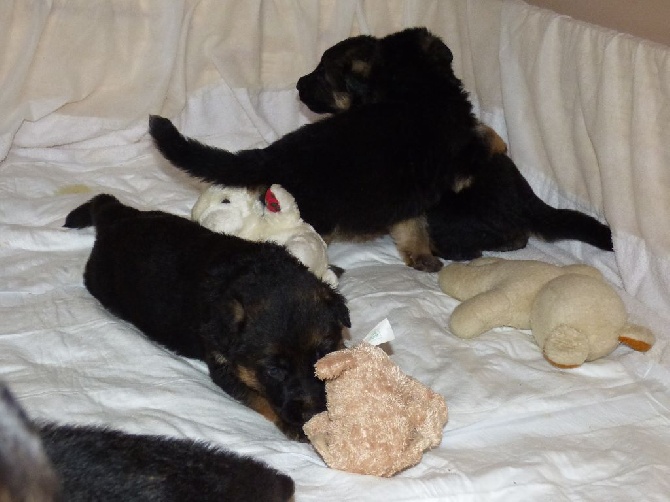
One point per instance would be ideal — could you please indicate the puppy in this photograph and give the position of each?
(408, 135)
(402, 135)
(493, 208)
(96, 463)
(53, 462)
(250, 310)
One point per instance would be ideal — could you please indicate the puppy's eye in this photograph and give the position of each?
(278, 374)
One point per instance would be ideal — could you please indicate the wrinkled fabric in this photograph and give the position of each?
(583, 110)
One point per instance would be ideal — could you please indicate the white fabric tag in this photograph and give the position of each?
(381, 333)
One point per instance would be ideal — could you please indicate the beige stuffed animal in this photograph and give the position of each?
(378, 421)
(274, 217)
(573, 313)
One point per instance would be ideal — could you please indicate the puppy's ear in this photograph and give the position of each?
(336, 303)
(342, 312)
(436, 49)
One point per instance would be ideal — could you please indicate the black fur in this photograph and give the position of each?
(98, 464)
(254, 313)
(356, 174)
(68, 463)
(499, 211)
(492, 208)
(402, 139)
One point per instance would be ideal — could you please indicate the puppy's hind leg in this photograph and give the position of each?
(413, 243)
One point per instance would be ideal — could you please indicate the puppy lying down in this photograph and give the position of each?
(50, 462)
(250, 310)
(265, 215)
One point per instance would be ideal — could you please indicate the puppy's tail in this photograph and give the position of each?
(89, 213)
(552, 224)
(243, 169)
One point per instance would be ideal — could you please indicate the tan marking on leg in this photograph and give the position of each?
(413, 243)
(496, 143)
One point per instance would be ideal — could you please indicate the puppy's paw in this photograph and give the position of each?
(426, 263)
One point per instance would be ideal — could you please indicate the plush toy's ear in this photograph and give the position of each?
(636, 337)
(334, 364)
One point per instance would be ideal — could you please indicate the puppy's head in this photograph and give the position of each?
(277, 324)
(341, 77)
(405, 66)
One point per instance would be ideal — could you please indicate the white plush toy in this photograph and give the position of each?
(275, 218)
(573, 313)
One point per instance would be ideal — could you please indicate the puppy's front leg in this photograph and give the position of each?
(413, 243)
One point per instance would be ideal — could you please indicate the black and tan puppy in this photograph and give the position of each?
(254, 313)
(402, 135)
(375, 169)
(492, 209)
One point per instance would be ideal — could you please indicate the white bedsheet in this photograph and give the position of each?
(79, 80)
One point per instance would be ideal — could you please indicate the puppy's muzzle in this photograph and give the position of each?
(316, 95)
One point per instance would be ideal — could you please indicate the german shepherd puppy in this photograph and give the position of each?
(493, 209)
(250, 310)
(53, 462)
(402, 135)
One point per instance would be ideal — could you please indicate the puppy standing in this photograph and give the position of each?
(492, 209)
(250, 310)
(408, 136)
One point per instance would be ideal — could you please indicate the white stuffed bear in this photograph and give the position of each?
(572, 312)
(275, 218)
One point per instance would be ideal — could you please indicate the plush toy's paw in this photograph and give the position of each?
(332, 365)
(565, 347)
(482, 313)
(316, 431)
(636, 337)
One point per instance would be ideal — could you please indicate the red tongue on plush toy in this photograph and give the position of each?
(271, 202)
